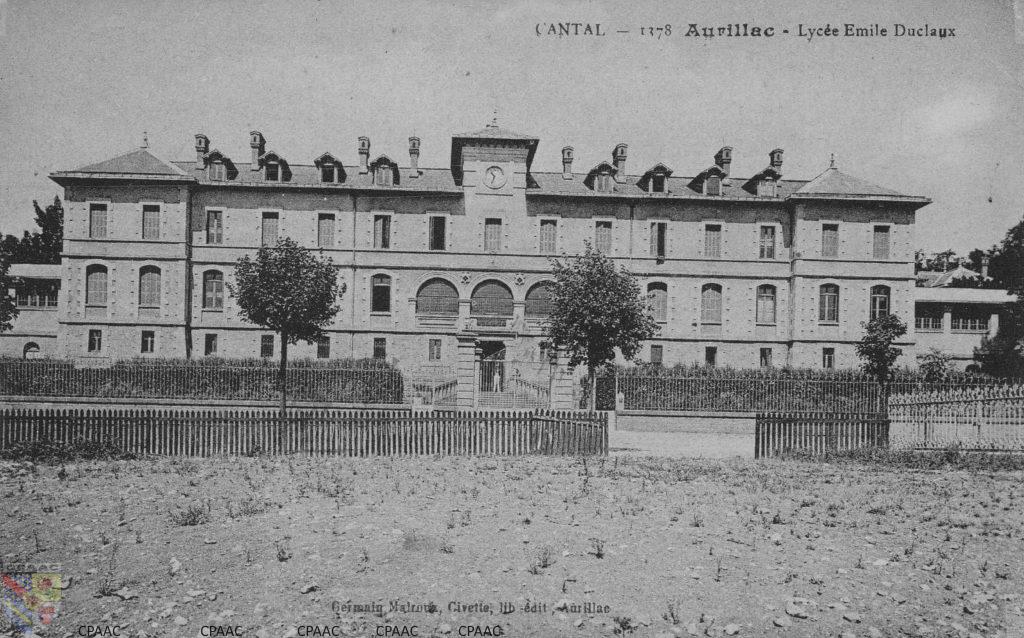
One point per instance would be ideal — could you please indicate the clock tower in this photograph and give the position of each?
(492, 166)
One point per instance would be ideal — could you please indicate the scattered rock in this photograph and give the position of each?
(180, 621)
(852, 616)
(782, 621)
(875, 632)
(732, 629)
(796, 608)
(311, 587)
(175, 566)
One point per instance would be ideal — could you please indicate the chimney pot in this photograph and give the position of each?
(984, 266)
(567, 162)
(257, 143)
(776, 158)
(619, 160)
(723, 159)
(202, 148)
(414, 156)
(364, 154)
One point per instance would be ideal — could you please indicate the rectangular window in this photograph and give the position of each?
(37, 294)
(657, 355)
(210, 345)
(659, 232)
(928, 323)
(325, 231)
(269, 229)
(880, 245)
(492, 235)
(327, 173)
(218, 172)
(148, 342)
(767, 244)
(713, 241)
(438, 233)
(382, 231)
(766, 357)
(214, 227)
(434, 350)
(603, 237)
(95, 340)
(658, 184)
(828, 358)
(548, 236)
(267, 346)
(970, 323)
(830, 240)
(273, 172)
(323, 347)
(97, 221)
(711, 356)
(766, 188)
(380, 293)
(150, 221)
(380, 348)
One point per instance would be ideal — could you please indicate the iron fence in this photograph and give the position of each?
(990, 419)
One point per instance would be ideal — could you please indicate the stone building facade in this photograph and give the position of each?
(742, 271)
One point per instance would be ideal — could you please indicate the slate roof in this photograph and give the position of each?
(138, 162)
(306, 175)
(675, 187)
(934, 279)
(834, 183)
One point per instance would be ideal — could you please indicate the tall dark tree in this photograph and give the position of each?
(42, 246)
(878, 355)
(597, 308)
(289, 290)
(1003, 355)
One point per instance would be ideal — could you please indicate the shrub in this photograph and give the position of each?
(61, 452)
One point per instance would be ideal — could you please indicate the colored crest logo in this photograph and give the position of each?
(30, 600)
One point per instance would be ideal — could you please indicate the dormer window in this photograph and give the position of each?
(384, 176)
(603, 183)
(658, 184)
(328, 174)
(273, 173)
(218, 172)
(713, 186)
(766, 188)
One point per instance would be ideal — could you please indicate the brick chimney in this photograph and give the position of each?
(723, 159)
(567, 162)
(619, 160)
(202, 148)
(776, 158)
(414, 157)
(364, 155)
(257, 143)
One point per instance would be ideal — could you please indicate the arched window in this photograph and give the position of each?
(828, 303)
(213, 290)
(149, 287)
(879, 301)
(437, 297)
(766, 304)
(380, 293)
(491, 298)
(96, 285)
(538, 301)
(30, 351)
(658, 293)
(711, 303)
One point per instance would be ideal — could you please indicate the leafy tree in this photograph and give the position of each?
(1004, 354)
(8, 307)
(289, 290)
(936, 366)
(44, 245)
(596, 309)
(875, 348)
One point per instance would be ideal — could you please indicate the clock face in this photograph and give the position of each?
(494, 177)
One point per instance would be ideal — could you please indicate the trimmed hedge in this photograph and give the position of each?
(336, 381)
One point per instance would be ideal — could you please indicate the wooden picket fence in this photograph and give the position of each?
(817, 432)
(188, 432)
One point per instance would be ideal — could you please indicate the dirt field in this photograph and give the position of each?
(623, 545)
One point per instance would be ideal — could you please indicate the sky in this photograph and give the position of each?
(942, 118)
